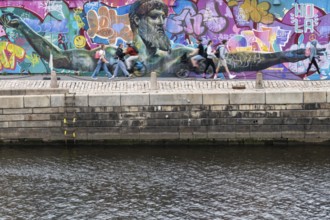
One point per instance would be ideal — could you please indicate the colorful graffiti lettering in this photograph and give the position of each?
(188, 21)
(197, 23)
(304, 18)
(164, 31)
(105, 23)
(10, 54)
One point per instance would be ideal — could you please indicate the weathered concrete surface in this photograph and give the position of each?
(140, 85)
(11, 102)
(177, 110)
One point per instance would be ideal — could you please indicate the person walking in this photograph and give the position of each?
(120, 62)
(312, 58)
(133, 56)
(222, 59)
(209, 59)
(102, 62)
(197, 54)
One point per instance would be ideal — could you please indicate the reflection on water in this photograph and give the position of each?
(165, 183)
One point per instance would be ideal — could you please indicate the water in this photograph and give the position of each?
(165, 183)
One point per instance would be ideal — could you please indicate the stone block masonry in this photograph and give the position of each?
(224, 115)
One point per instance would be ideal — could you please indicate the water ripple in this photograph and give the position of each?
(165, 183)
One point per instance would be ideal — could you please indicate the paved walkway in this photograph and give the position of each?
(141, 85)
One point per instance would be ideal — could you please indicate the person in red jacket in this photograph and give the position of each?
(133, 55)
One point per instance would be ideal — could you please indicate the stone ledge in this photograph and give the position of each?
(216, 98)
(247, 97)
(104, 100)
(287, 97)
(315, 96)
(134, 99)
(176, 99)
(37, 101)
(11, 102)
(8, 92)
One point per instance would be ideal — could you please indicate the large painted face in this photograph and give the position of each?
(151, 30)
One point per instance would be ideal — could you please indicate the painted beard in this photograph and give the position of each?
(154, 36)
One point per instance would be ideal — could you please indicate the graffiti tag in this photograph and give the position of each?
(34, 58)
(10, 54)
(77, 17)
(306, 13)
(107, 24)
(198, 23)
(55, 6)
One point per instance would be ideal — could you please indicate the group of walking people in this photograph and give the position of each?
(125, 65)
(125, 59)
(209, 54)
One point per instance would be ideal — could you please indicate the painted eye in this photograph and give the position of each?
(154, 17)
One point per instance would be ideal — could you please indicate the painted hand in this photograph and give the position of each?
(9, 20)
(100, 24)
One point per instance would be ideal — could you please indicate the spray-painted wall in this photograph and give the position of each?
(262, 35)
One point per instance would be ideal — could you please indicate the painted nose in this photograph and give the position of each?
(160, 20)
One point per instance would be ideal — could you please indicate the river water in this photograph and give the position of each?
(229, 182)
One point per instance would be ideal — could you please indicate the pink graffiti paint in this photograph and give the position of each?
(37, 7)
(2, 31)
(76, 3)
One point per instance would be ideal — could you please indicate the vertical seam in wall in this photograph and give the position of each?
(202, 98)
(149, 100)
(326, 97)
(24, 103)
(229, 102)
(303, 98)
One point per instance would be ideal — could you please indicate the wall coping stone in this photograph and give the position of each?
(8, 92)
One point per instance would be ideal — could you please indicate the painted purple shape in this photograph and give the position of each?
(89, 41)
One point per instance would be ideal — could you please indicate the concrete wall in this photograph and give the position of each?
(237, 116)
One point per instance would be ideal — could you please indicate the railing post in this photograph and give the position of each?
(259, 81)
(53, 80)
(53, 77)
(153, 81)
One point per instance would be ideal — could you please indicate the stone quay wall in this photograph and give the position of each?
(253, 115)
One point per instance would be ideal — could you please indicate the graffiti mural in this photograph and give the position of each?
(276, 39)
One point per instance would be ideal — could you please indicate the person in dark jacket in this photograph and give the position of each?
(209, 59)
(120, 62)
(312, 58)
(198, 54)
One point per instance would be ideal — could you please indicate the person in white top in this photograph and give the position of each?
(102, 62)
(209, 59)
(222, 59)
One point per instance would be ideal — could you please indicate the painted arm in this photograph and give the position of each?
(253, 61)
(41, 45)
